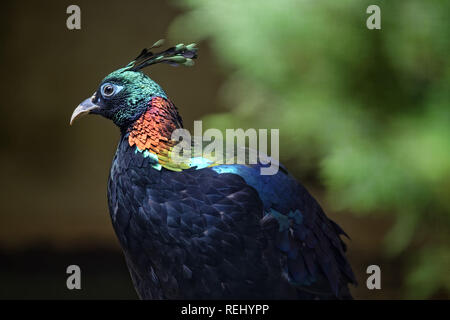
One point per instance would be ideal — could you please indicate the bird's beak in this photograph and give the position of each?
(83, 108)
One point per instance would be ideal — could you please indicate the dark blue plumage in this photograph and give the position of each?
(211, 233)
(219, 232)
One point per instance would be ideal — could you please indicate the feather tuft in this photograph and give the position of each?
(180, 54)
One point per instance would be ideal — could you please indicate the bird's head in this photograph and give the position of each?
(124, 94)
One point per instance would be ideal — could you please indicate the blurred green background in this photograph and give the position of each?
(364, 121)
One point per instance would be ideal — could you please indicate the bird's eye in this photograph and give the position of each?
(108, 90)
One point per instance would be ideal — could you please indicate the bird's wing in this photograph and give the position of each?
(191, 234)
(310, 242)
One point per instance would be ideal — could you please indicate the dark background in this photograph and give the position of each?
(53, 176)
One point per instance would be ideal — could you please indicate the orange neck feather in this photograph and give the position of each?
(153, 130)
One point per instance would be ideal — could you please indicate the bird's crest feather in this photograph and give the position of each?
(178, 55)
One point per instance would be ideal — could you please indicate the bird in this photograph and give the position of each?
(203, 230)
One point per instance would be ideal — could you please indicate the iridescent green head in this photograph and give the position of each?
(124, 94)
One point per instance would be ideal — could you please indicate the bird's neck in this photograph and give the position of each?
(152, 131)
